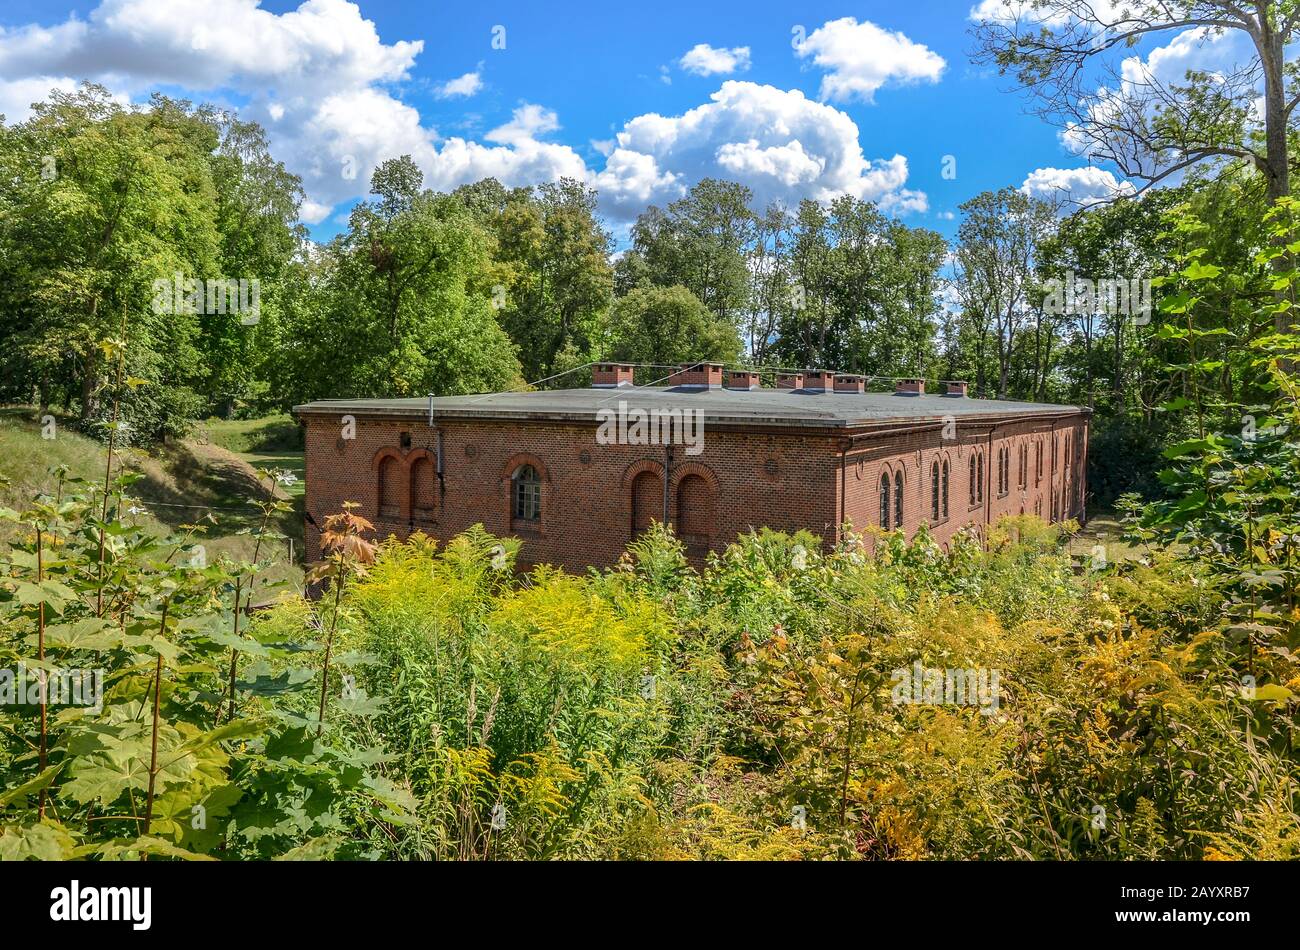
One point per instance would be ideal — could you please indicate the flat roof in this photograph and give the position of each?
(776, 407)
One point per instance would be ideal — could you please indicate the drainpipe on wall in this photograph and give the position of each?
(442, 484)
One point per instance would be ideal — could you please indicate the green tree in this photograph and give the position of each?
(555, 279)
(400, 304)
(700, 242)
(668, 326)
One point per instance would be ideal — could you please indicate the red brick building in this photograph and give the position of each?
(573, 475)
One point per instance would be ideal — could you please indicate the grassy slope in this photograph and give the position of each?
(273, 442)
(182, 483)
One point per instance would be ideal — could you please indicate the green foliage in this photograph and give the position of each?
(668, 326)
(99, 204)
(163, 745)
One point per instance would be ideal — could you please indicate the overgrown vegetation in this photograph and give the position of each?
(751, 710)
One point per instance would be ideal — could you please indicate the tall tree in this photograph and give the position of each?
(1067, 52)
(700, 242)
(99, 202)
(556, 278)
(1000, 238)
(667, 326)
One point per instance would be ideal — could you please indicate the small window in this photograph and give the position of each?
(945, 489)
(934, 491)
(527, 494)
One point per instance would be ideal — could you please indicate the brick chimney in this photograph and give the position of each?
(789, 381)
(697, 376)
(611, 375)
(846, 383)
(909, 387)
(818, 380)
(742, 379)
(956, 387)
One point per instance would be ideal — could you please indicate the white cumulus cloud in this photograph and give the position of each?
(1073, 188)
(319, 78)
(861, 57)
(704, 60)
(460, 87)
(781, 144)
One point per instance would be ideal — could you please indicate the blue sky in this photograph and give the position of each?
(880, 95)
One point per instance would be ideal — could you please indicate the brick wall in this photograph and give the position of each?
(743, 478)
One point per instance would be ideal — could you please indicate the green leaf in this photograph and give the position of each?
(31, 786)
(46, 841)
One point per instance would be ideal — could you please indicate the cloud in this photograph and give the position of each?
(1024, 12)
(703, 60)
(782, 145)
(16, 97)
(861, 57)
(316, 77)
(324, 85)
(1074, 188)
(1140, 80)
(460, 87)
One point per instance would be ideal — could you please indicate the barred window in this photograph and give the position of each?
(945, 489)
(934, 491)
(527, 486)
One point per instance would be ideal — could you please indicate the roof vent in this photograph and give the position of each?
(789, 381)
(956, 387)
(742, 379)
(909, 387)
(818, 380)
(697, 376)
(611, 375)
(846, 383)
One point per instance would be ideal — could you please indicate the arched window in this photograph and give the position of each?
(934, 491)
(695, 511)
(898, 499)
(885, 508)
(423, 489)
(973, 476)
(526, 491)
(979, 480)
(1038, 461)
(647, 501)
(945, 490)
(390, 503)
